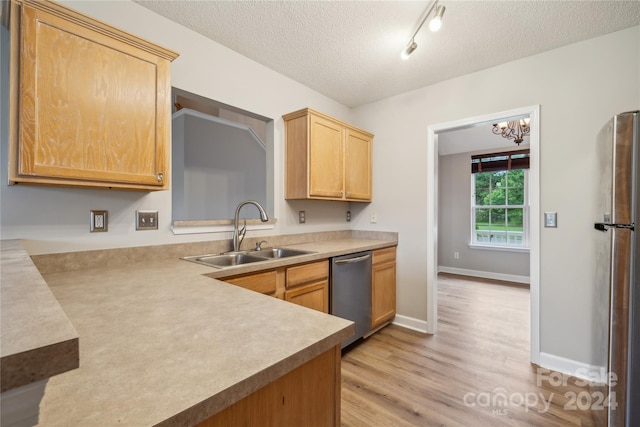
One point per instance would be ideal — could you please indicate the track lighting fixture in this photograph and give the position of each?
(436, 22)
(434, 25)
(409, 49)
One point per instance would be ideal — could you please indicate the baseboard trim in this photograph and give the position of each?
(584, 371)
(484, 274)
(410, 323)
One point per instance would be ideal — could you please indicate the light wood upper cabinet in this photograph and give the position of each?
(326, 171)
(358, 165)
(90, 104)
(326, 159)
(383, 286)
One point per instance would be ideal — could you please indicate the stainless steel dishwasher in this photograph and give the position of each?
(351, 291)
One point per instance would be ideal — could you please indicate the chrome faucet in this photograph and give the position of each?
(238, 235)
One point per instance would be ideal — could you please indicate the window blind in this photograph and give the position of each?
(508, 160)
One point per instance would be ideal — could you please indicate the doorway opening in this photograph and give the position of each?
(438, 132)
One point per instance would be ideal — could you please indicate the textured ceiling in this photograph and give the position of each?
(350, 50)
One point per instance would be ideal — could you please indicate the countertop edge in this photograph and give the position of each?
(32, 361)
(24, 368)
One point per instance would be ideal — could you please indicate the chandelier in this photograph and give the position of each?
(515, 129)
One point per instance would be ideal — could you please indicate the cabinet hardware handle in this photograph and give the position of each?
(160, 177)
(352, 260)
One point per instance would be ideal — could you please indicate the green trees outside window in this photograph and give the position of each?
(499, 208)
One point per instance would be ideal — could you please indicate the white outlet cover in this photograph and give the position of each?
(99, 221)
(551, 219)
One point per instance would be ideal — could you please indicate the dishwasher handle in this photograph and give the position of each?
(353, 260)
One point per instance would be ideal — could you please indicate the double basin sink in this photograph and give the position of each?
(241, 258)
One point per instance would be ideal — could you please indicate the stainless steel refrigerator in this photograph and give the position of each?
(617, 302)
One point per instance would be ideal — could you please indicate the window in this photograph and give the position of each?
(499, 200)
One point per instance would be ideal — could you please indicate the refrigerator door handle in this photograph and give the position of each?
(602, 226)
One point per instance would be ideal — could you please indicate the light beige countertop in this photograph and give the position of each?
(37, 340)
(162, 344)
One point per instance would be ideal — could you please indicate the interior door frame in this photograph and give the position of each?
(534, 216)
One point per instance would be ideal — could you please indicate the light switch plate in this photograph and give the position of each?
(146, 220)
(99, 221)
(551, 219)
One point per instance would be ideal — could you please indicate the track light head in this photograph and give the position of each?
(409, 49)
(436, 23)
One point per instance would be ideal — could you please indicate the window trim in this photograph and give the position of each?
(525, 216)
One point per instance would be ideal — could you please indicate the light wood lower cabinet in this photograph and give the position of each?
(383, 286)
(314, 295)
(307, 396)
(264, 282)
(308, 285)
(304, 284)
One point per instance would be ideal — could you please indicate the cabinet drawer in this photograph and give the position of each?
(300, 274)
(261, 282)
(384, 255)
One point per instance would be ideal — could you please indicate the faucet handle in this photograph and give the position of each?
(259, 245)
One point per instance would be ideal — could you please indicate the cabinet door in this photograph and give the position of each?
(383, 288)
(93, 109)
(357, 166)
(326, 158)
(307, 396)
(314, 295)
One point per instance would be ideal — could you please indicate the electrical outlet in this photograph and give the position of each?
(146, 220)
(301, 217)
(551, 219)
(456, 255)
(374, 217)
(99, 221)
(348, 216)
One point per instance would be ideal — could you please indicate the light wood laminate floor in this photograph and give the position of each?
(474, 372)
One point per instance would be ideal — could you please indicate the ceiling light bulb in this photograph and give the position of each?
(409, 49)
(436, 23)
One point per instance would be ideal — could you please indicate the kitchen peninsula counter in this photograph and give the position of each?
(163, 344)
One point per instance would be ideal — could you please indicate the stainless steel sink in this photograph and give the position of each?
(278, 252)
(240, 258)
(225, 260)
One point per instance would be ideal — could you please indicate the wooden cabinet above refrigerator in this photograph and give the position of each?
(326, 159)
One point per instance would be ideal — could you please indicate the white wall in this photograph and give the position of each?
(57, 219)
(454, 225)
(579, 88)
